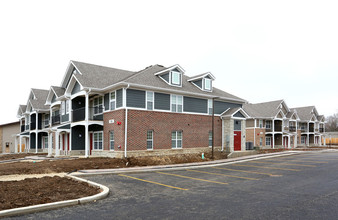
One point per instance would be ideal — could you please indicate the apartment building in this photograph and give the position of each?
(274, 125)
(103, 111)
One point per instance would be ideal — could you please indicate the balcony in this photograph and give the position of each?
(303, 129)
(33, 126)
(27, 127)
(292, 128)
(321, 130)
(278, 128)
(22, 129)
(45, 123)
(80, 114)
(55, 119)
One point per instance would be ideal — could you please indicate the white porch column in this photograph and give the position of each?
(273, 133)
(308, 135)
(70, 110)
(87, 126)
(50, 149)
(57, 147)
(296, 137)
(16, 144)
(36, 136)
(20, 141)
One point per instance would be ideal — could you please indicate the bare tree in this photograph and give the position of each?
(332, 123)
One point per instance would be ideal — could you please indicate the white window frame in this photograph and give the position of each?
(210, 106)
(148, 100)
(150, 140)
(260, 123)
(63, 107)
(176, 139)
(111, 146)
(260, 141)
(267, 139)
(67, 106)
(270, 124)
(97, 140)
(45, 143)
(172, 73)
(46, 118)
(112, 100)
(210, 139)
(206, 82)
(98, 105)
(303, 139)
(174, 100)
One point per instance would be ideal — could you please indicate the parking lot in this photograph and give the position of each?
(302, 186)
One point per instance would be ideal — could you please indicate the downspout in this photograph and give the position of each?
(126, 125)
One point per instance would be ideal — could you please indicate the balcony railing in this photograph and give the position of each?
(22, 128)
(27, 127)
(292, 128)
(33, 125)
(321, 130)
(311, 129)
(45, 123)
(55, 119)
(303, 129)
(278, 128)
(80, 114)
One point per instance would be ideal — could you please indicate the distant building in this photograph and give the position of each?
(7, 137)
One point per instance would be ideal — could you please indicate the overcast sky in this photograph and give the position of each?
(257, 50)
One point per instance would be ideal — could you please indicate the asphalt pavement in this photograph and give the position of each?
(302, 186)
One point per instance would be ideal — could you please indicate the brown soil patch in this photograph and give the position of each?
(18, 156)
(71, 165)
(34, 191)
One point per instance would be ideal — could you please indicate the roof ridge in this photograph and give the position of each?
(137, 73)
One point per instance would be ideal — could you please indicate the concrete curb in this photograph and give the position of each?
(183, 166)
(61, 204)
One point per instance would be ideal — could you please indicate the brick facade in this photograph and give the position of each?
(195, 129)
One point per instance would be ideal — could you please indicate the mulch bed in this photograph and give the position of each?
(34, 191)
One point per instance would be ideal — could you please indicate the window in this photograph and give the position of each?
(45, 142)
(303, 140)
(98, 140)
(207, 84)
(176, 103)
(150, 100)
(176, 139)
(261, 141)
(210, 106)
(210, 138)
(67, 106)
(268, 124)
(112, 101)
(46, 121)
(175, 78)
(268, 141)
(63, 107)
(260, 123)
(98, 105)
(150, 140)
(111, 140)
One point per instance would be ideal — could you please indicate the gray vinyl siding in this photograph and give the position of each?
(239, 115)
(195, 105)
(76, 88)
(166, 77)
(106, 101)
(119, 98)
(199, 83)
(237, 125)
(220, 107)
(136, 98)
(162, 101)
(54, 98)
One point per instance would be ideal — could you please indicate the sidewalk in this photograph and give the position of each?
(182, 166)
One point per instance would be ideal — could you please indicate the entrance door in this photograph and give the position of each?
(237, 140)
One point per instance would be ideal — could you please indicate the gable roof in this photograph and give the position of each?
(101, 78)
(304, 113)
(200, 76)
(41, 97)
(263, 110)
(59, 91)
(231, 112)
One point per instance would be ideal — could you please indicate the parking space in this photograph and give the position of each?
(302, 186)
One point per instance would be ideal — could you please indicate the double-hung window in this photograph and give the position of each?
(176, 139)
(150, 141)
(98, 140)
(112, 101)
(210, 106)
(268, 141)
(303, 140)
(150, 100)
(260, 123)
(98, 105)
(111, 140)
(176, 103)
(67, 106)
(268, 124)
(210, 138)
(45, 142)
(207, 84)
(175, 78)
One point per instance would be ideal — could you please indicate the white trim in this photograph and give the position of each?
(153, 100)
(70, 87)
(171, 68)
(98, 132)
(203, 76)
(152, 139)
(110, 132)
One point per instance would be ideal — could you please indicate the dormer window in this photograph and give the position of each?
(207, 84)
(75, 71)
(175, 78)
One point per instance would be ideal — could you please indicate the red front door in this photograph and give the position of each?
(237, 140)
(91, 144)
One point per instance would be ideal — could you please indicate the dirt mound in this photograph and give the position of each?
(34, 191)
(18, 156)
